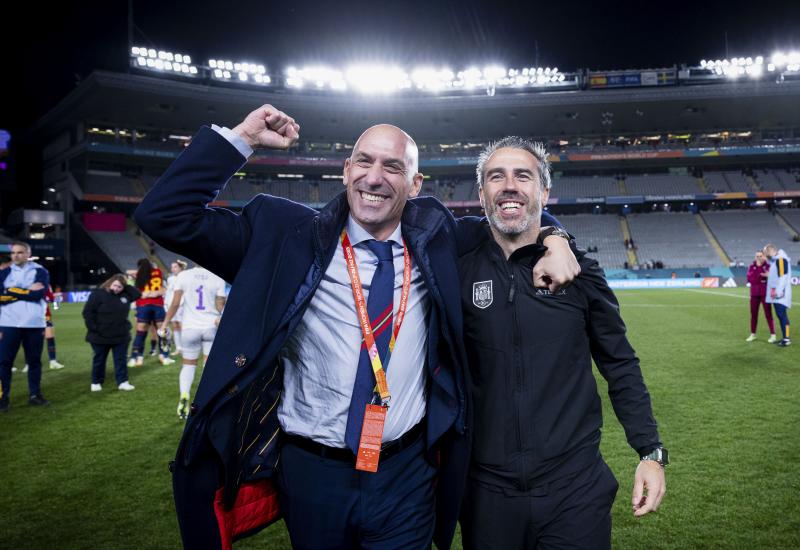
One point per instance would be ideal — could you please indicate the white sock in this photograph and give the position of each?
(176, 337)
(186, 378)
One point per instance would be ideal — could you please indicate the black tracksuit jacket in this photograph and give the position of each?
(537, 414)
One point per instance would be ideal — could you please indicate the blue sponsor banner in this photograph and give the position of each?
(77, 296)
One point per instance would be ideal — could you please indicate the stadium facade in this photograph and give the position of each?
(682, 171)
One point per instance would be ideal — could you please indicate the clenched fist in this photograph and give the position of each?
(268, 127)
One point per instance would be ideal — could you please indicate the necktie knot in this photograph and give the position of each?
(381, 249)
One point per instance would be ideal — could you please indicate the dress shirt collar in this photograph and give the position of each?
(358, 234)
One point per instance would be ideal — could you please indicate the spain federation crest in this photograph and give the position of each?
(482, 295)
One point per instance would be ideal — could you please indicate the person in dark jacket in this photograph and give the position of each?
(273, 429)
(536, 478)
(106, 316)
(757, 275)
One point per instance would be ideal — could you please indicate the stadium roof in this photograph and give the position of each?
(137, 101)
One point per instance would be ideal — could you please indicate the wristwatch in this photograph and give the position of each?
(660, 455)
(553, 231)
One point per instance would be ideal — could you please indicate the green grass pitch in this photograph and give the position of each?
(90, 471)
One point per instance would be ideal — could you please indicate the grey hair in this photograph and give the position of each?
(23, 244)
(535, 148)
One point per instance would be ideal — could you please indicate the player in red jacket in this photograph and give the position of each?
(757, 277)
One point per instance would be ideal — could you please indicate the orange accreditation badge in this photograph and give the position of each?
(369, 447)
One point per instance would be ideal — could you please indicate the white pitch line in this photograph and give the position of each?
(728, 294)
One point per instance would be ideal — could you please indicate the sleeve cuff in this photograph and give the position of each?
(243, 148)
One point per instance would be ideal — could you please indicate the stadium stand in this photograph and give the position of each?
(675, 239)
(122, 247)
(602, 231)
(792, 217)
(716, 182)
(767, 181)
(662, 184)
(738, 182)
(571, 187)
(742, 232)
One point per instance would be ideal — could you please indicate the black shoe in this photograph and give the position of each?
(785, 342)
(38, 400)
(4, 405)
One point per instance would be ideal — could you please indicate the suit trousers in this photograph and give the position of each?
(328, 504)
(570, 513)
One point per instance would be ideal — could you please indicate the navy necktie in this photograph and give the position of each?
(380, 306)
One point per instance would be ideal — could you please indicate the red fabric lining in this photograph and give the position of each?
(256, 506)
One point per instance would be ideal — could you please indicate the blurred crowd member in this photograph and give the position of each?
(779, 289)
(757, 277)
(175, 268)
(50, 331)
(149, 309)
(5, 261)
(202, 295)
(23, 285)
(108, 329)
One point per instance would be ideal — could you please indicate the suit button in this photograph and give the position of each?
(193, 409)
(232, 389)
(240, 360)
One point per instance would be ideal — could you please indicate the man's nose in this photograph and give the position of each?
(375, 174)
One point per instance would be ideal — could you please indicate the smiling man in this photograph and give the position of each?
(323, 306)
(537, 479)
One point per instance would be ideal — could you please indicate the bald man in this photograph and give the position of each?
(335, 392)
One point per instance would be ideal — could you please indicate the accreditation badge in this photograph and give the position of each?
(369, 448)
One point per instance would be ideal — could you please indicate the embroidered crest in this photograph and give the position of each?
(482, 295)
(123, 299)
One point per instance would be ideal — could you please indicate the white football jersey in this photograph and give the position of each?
(200, 290)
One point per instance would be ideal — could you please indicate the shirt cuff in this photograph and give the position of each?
(234, 140)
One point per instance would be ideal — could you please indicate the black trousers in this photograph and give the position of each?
(119, 353)
(570, 513)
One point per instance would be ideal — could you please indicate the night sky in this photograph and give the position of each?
(66, 41)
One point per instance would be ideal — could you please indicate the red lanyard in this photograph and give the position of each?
(382, 387)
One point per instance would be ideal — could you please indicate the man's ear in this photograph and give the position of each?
(345, 171)
(416, 184)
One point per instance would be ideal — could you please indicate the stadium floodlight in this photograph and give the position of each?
(162, 60)
(426, 78)
(244, 72)
(372, 79)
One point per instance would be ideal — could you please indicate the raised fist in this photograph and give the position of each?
(268, 127)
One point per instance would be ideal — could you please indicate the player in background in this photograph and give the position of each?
(779, 289)
(175, 268)
(203, 296)
(50, 331)
(149, 309)
(757, 275)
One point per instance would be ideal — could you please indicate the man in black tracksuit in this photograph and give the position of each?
(537, 479)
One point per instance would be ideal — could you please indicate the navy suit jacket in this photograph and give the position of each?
(274, 253)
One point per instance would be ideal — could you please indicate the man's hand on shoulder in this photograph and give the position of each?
(649, 477)
(268, 127)
(558, 267)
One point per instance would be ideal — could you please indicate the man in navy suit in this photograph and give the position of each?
(276, 422)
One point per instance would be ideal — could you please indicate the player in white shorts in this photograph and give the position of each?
(203, 297)
(175, 268)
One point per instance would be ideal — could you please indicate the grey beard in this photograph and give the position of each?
(513, 230)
